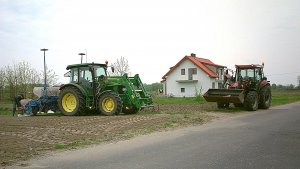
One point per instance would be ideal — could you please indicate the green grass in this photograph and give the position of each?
(280, 97)
(5, 111)
(74, 144)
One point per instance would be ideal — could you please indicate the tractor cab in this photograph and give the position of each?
(247, 76)
(86, 75)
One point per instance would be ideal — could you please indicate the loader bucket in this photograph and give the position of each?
(224, 95)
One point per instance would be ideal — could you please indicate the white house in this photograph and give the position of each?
(192, 76)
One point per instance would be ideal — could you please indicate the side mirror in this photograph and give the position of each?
(68, 74)
(113, 69)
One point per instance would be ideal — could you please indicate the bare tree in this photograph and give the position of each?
(22, 78)
(51, 77)
(10, 80)
(2, 83)
(121, 67)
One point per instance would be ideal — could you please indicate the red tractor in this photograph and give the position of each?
(249, 88)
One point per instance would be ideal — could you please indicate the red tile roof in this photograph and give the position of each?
(200, 63)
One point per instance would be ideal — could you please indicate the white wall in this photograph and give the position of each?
(174, 88)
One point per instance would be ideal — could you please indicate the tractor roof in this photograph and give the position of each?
(85, 65)
(249, 66)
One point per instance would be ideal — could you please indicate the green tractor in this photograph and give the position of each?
(90, 89)
(249, 88)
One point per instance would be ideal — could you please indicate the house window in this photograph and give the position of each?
(182, 71)
(192, 71)
(182, 90)
(213, 85)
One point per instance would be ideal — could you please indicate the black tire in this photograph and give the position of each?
(110, 104)
(265, 97)
(71, 101)
(223, 105)
(131, 110)
(251, 101)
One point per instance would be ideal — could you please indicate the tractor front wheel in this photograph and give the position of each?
(71, 101)
(110, 104)
(251, 101)
(265, 97)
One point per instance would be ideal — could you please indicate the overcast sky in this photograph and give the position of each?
(153, 35)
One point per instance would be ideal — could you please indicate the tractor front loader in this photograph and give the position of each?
(249, 88)
(90, 89)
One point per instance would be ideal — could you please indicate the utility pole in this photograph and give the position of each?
(45, 74)
(85, 56)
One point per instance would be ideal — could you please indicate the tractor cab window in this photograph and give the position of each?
(258, 74)
(100, 71)
(245, 74)
(74, 75)
(85, 75)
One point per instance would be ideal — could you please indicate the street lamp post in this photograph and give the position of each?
(45, 78)
(81, 54)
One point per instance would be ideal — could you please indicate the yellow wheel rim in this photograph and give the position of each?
(108, 104)
(69, 102)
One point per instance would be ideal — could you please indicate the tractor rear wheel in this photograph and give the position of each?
(71, 101)
(265, 97)
(223, 105)
(110, 104)
(251, 101)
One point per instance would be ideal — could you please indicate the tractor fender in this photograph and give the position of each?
(106, 91)
(75, 85)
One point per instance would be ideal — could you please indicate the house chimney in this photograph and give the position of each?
(193, 54)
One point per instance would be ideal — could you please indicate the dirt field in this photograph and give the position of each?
(22, 138)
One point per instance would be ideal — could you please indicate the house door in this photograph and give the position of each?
(191, 72)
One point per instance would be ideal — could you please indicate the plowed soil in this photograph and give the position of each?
(22, 138)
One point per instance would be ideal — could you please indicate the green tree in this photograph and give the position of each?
(154, 87)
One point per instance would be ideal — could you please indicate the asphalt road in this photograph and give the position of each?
(262, 139)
